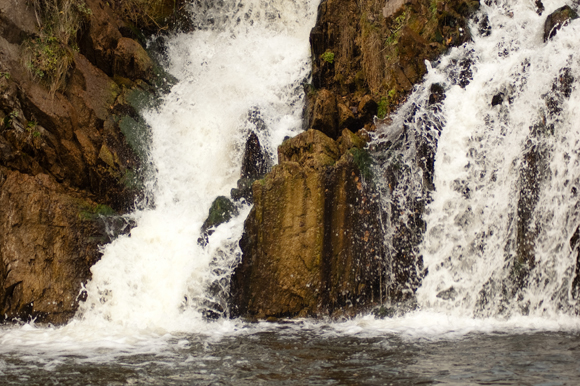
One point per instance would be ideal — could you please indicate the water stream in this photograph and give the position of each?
(496, 303)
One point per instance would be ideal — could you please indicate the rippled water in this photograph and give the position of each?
(303, 353)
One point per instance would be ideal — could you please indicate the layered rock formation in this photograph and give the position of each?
(69, 143)
(315, 244)
(313, 239)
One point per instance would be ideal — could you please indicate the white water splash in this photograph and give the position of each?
(470, 242)
(137, 299)
(251, 60)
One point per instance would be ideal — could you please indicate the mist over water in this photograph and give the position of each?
(242, 70)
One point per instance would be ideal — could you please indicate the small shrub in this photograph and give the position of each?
(7, 121)
(382, 108)
(49, 56)
(328, 57)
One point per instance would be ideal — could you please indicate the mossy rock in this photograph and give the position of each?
(221, 211)
(557, 19)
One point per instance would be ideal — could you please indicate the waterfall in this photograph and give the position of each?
(479, 173)
(241, 71)
(501, 215)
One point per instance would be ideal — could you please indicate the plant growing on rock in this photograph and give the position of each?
(328, 57)
(49, 56)
(8, 119)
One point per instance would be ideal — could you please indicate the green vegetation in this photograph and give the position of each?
(49, 56)
(221, 211)
(5, 75)
(7, 121)
(385, 102)
(90, 213)
(383, 108)
(364, 162)
(131, 180)
(328, 57)
(31, 127)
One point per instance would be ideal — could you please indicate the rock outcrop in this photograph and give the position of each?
(312, 241)
(314, 244)
(375, 51)
(70, 140)
(557, 19)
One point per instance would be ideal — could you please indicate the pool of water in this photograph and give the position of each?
(308, 353)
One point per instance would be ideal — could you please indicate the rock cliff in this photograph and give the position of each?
(313, 239)
(72, 78)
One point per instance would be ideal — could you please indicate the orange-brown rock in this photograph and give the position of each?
(63, 154)
(46, 247)
(131, 60)
(312, 242)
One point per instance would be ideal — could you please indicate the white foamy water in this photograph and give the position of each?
(253, 60)
(471, 240)
(252, 57)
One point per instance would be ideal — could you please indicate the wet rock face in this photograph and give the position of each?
(558, 19)
(64, 152)
(254, 163)
(372, 49)
(312, 242)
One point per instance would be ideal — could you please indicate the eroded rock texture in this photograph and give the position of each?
(367, 55)
(312, 241)
(69, 151)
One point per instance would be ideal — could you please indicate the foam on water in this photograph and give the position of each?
(251, 58)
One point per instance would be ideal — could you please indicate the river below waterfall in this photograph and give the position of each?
(242, 71)
(418, 349)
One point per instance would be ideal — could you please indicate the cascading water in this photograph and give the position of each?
(485, 202)
(247, 60)
(504, 206)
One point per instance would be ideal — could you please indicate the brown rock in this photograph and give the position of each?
(254, 163)
(91, 93)
(132, 61)
(311, 241)
(45, 248)
(560, 17)
(346, 118)
(16, 22)
(380, 48)
(324, 115)
(99, 40)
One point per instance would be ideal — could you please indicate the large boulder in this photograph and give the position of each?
(312, 243)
